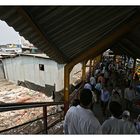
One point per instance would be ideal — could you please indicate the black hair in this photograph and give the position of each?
(115, 109)
(130, 86)
(116, 92)
(75, 102)
(85, 97)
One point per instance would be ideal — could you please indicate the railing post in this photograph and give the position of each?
(45, 119)
(67, 71)
(83, 70)
(90, 68)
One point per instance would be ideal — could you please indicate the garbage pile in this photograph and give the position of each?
(11, 93)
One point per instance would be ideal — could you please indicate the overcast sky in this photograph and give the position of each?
(8, 35)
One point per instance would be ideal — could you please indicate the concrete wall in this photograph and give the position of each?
(26, 68)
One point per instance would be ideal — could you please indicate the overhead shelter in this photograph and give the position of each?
(73, 34)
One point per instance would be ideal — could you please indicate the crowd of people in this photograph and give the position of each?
(112, 86)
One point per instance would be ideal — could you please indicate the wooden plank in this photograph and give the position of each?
(66, 88)
(83, 70)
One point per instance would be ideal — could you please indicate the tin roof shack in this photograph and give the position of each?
(10, 49)
(37, 72)
(2, 76)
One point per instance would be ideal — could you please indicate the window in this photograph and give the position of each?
(41, 67)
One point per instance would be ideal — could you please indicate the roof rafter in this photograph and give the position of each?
(116, 50)
(130, 46)
(134, 43)
(119, 47)
(126, 50)
(108, 40)
(25, 15)
(131, 43)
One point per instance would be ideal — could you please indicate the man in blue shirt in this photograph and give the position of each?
(104, 99)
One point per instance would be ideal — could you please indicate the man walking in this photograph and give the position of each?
(80, 119)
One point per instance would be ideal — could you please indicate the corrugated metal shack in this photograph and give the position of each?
(37, 72)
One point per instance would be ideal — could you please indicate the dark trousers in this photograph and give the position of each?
(98, 95)
(104, 107)
(128, 104)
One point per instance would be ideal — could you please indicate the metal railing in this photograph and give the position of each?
(75, 93)
(18, 106)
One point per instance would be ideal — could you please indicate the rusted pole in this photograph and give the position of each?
(67, 71)
(83, 71)
(45, 119)
(90, 65)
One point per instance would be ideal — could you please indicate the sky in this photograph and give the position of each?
(8, 35)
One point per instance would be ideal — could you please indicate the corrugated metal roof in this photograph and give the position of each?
(130, 43)
(66, 31)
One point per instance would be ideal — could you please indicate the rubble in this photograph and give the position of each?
(11, 93)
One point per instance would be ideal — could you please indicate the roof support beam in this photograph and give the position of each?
(90, 68)
(66, 88)
(127, 51)
(131, 45)
(107, 41)
(28, 19)
(83, 70)
(131, 48)
(97, 49)
(134, 66)
(118, 49)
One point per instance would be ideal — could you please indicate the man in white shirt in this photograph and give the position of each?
(138, 124)
(113, 124)
(116, 125)
(80, 119)
(128, 127)
(129, 95)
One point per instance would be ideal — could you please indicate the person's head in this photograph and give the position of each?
(75, 102)
(130, 87)
(86, 98)
(126, 115)
(115, 109)
(115, 92)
